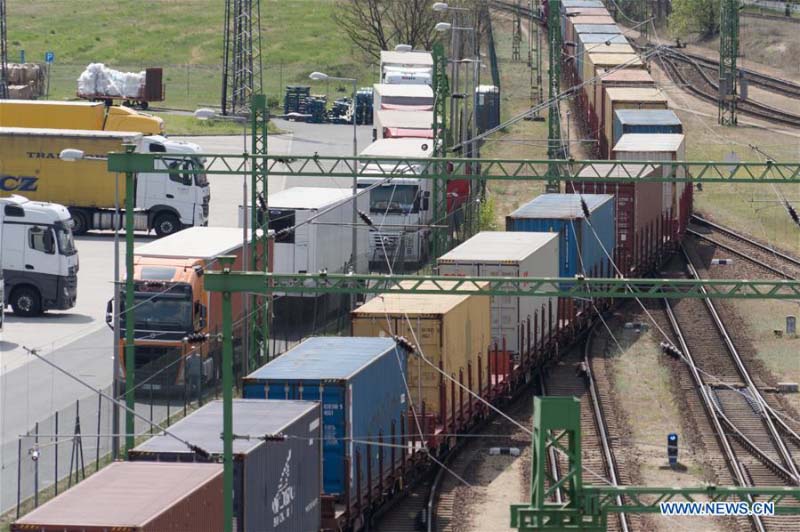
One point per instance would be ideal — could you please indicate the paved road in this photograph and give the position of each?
(79, 340)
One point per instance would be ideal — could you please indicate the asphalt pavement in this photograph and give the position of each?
(79, 341)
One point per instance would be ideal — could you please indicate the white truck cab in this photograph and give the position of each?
(399, 207)
(39, 258)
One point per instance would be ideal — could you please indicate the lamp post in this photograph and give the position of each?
(320, 76)
(76, 155)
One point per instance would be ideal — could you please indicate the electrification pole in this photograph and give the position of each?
(441, 94)
(3, 52)
(554, 150)
(241, 61)
(260, 311)
(728, 53)
(130, 310)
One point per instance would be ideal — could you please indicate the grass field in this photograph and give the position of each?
(184, 37)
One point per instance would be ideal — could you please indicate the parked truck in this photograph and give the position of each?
(400, 209)
(407, 68)
(174, 197)
(172, 304)
(39, 259)
(94, 116)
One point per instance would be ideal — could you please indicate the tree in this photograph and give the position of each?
(375, 25)
(695, 16)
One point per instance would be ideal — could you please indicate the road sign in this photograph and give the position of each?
(49, 57)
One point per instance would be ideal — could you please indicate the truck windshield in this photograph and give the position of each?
(394, 199)
(162, 312)
(66, 244)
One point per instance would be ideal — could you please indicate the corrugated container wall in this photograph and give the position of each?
(637, 209)
(506, 254)
(586, 73)
(659, 147)
(276, 483)
(135, 497)
(625, 98)
(594, 62)
(645, 121)
(619, 78)
(359, 382)
(580, 20)
(579, 250)
(451, 329)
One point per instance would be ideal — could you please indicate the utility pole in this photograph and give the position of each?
(728, 53)
(241, 61)
(130, 310)
(441, 93)
(260, 310)
(516, 38)
(554, 150)
(3, 52)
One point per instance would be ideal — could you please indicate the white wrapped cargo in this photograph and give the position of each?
(99, 80)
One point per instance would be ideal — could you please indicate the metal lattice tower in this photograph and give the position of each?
(728, 52)
(516, 38)
(535, 55)
(441, 87)
(3, 52)
(554, 147)
(258, 345)
(241, 67)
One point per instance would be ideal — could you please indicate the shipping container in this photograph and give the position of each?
(645, 121)
(507, 254)
(135, 497)
(660, 147)
(573, 7)
(360, 383)
(588, 11)
(600, 62)
(277, 482)
(451, 330)
(637, 211)
(580, 29)
(625, 98)
(582, 20)
(582, 246)
(617, 78)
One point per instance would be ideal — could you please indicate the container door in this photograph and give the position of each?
(334, 433)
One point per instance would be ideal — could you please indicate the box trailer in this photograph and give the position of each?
(135, 497)
(277, 482)
(94, 116)
(172, 304)
(508, 254)
(165, 201)
(406, 67)
(402, 97)
(451, 330)
(582, 246)
(638, 210)
(661, 147)
(360, 384)
(402, 124)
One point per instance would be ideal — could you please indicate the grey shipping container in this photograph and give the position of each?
(277, 482)
(645, 121)
(135, 497)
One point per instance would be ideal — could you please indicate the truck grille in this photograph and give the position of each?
(387, 241)
(158, 365)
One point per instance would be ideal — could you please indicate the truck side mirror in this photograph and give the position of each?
(425, 204)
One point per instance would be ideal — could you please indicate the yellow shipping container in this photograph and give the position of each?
(451, 329)
(607, 60)
(77, 115)
(628, 98)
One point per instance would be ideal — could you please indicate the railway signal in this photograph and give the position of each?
(672, 449)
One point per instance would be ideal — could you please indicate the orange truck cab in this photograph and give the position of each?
(172, 307)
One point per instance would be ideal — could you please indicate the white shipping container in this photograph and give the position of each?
(509, 254)
(324, 243)
(657, 147)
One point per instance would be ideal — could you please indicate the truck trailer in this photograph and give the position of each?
(166, 201)
(38, 256)
(406, 68)
(172, 305)
(94, 116)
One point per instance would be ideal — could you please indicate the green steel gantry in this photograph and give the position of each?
(557, 424)
(728, 53)
(555, 42)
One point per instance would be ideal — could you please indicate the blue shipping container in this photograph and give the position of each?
(645, 121)
(360, 383)
(563, 214)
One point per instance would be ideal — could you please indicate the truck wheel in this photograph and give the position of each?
(81, 221)
(26, 302)
(166, 224)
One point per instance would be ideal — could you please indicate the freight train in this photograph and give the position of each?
(350, 422)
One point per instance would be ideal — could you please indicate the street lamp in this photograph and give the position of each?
(403, 48)
(321, 76)
(444, 6)
(72, 155)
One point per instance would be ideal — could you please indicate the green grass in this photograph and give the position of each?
(189, 125)
(184, 37)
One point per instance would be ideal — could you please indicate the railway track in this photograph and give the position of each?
(694, 78)
(764, 16)
(758, 446)
(769, 259)
(575, 376)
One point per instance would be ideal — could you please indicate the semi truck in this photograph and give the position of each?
(407, 68)
(172, 305)
(38, 256)
(402, 97)
(392, 124)
(400, 207)
(94, 116)
(166, 201)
